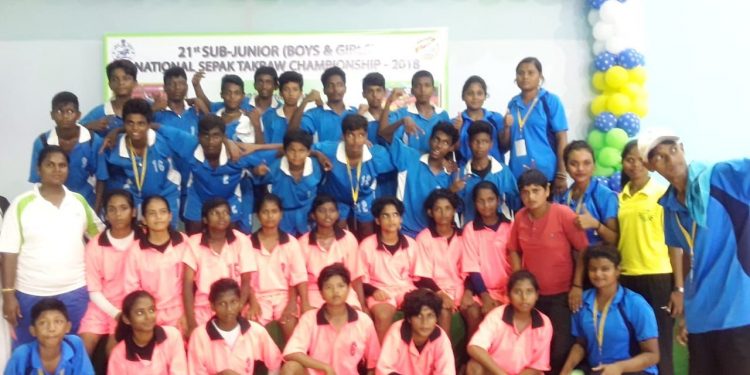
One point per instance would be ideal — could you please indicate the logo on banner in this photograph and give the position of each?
(427, 48)
(123, 51)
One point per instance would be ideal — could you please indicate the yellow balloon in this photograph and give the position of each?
(615, 77)
(598, 81)
(640, 107)
(599, 104)
(632, 90)
(619, 104)
(637, 75)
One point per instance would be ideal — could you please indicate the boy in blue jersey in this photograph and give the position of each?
(422, 113)
(176, 111)
(276, 121)
(324, 121)
(352, 179)
(373, 90)
(483, 167)
(81, 145)
(54, 350)
(295, 177)
(419, 174)
(122, 77)
(706, 213)
(265, 83)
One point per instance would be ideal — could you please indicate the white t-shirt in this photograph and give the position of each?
(230, 337)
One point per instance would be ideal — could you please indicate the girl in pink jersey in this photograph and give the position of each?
(144, 347)
(105, 257)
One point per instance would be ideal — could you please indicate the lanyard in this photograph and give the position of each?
(522, 120)
(690, 239)
(579, 204)
(354, 183)
(139, 178)
(599, 324)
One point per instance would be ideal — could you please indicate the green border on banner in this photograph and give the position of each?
(442, 31)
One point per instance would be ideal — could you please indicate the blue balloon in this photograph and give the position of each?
(629, 58)
(615, 182)
(596, 4)
(604, 61)
(630, 123)
(601, 180)
(605, 122)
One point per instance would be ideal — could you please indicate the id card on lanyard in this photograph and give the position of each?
(520, 144)
(690, 239)
(354, 185)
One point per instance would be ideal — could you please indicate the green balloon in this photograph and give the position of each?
(616, 138)
(609, 157)
(603, 171)
(596, 139)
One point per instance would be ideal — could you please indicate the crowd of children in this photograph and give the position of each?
(364, 238)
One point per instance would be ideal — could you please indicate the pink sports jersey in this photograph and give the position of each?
(278, 269)
(399, 354)
(234, 260)
(440, 259)
(344, 249)
(486, 252)
(392, 273)
(159, 274)
(515, 351)
(342, 349)
(209, 354)
(167, 357)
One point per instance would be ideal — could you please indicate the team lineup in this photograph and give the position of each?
(301, 235)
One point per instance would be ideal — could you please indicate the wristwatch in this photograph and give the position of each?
(679, 289)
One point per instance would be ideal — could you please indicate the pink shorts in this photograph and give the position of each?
(272, 306)
(396, 297)
(496, 294)
(202, 314)
(97, 321)
(316, 300)
(172, 316)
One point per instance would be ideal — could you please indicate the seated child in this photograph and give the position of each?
(335, 338)
(228, 343)
(513, 339)
(53, 350)
(143, 346)
(416, 345)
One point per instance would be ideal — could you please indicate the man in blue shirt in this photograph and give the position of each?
(276, 121)
(54, 350)
(706, 213)
(122, 77)
(324, 121)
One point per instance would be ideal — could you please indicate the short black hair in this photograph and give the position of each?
(49, 150)
(48, 304)
(532, 177)
(380, 203)
(478, 127)
(353, 122)
(373, 79)
(330, 72)
(421, 74)
(127, 66)
(602, 252)
(149, 199)
(212, 203)
(209, 122)
(416, 299)
(267, 70)
(174, 72)
(137, 106)
(442, 193)
(521, 275)
(487, 185)
(290, 76)
(232, 79)
(472, 80)
(530, 60)
(299, 136)
(64, 97)
(222, 286)
(446, 128)
(269, 197)
(335, 269)
(576, 146)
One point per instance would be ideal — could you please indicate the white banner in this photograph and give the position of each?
(395, 54)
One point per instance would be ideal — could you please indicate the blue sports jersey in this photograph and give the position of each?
(599, 200)
(500, 176)
(538, 135)
(101, 111)
(297, 196)
(339, 180)
(83, 162)
(498, 124)
(73, 359)
(628, 315)
(420, 142)
(275, 125)
(245, 104)
(187, 121)
(718, 285)
(386, 182)
(324, 123)
(415, 182)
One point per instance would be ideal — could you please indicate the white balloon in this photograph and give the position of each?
(610, 11)
(603, 31)
(598, 47)
(593, 17)
(616, 44)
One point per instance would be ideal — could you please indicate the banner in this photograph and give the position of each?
(395, 54)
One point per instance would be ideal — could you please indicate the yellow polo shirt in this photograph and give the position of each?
(642, 245)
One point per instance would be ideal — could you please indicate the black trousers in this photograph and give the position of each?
(556, 308)
(656, 289)
(720, 352)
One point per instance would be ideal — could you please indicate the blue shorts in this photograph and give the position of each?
(75, 301)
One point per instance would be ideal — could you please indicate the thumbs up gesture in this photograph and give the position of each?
(586, 221)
